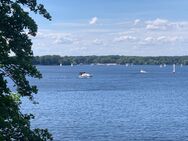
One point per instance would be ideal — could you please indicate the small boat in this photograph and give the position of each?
(60, 64)
(142, 71)
(84, 75)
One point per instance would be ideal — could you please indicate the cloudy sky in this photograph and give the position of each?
(113, 27)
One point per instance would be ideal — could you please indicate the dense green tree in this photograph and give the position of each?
(16, 28)
(67, 60)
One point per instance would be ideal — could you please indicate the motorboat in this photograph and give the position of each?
(84, 75)
(142, 71)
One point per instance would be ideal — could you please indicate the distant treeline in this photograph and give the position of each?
(75, 60)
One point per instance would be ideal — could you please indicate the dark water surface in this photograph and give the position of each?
(116, 104)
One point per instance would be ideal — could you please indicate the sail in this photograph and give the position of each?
(174, 68)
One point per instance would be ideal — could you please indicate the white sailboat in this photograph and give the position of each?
(174, 68)
(60, 64)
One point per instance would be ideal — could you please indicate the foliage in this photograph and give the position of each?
(16, 126)
(16, 28)
(67, 60)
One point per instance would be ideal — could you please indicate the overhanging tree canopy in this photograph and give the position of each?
(16, 28)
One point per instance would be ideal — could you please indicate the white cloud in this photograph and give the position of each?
(97, 42)
(160, 40)
(63, 40)
(93, 20)
(157, 24)
(149, 39)
(55, 38)
(169, 39)
(155, 35)
(48, 34)
(125, 38)
(163, 24)
(137, 21)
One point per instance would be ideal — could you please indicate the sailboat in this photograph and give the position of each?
(174, 68)
(60, 64)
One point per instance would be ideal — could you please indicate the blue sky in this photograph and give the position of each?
(113, 27)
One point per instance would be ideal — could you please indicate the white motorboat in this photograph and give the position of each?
(84, 75)
(142, 71)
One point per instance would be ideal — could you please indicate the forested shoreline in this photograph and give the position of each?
(137, 60)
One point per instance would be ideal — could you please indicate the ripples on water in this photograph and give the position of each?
(117, 104)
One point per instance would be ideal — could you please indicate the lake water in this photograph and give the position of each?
(117, 104)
